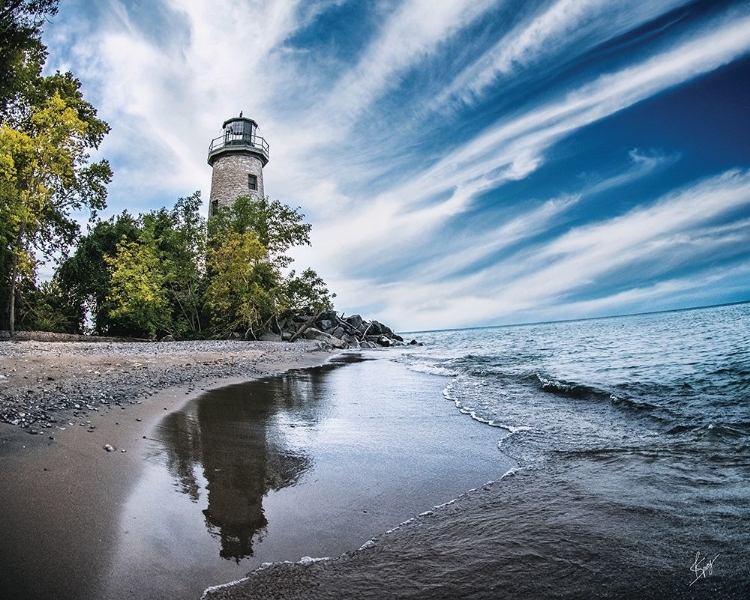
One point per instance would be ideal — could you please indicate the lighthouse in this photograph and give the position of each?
(237, 158)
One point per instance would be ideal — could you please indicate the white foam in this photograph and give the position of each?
(308, 560)
(367, 544)
(431, 369)
(215, 588)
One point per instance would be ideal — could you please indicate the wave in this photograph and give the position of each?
(585, 392)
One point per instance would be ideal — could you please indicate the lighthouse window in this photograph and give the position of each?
(252, 182)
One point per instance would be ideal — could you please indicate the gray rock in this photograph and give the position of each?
(167, 338)
(311, 333)
(320, 336)
(355, 321)
(270, 337)
(325, 324)
(339, 332)
(329, 315)
(384, 341)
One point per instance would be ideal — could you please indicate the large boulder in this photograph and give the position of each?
(270, 337)
(329, 315)
(316, 334)
(325, 324)
(355, 321)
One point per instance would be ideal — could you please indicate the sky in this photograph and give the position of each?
(463, 162)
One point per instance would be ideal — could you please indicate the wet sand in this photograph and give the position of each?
(61, 491)
(315, 463)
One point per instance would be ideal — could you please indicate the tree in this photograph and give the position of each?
(242, 283)
(22, 53)
(46, 131)
(247, 251)
(277, 226)
(49, 308)
(179, 238)
(137, 292)
(306, 293)
(85, 276)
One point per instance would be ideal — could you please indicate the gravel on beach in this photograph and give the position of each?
(43, 383)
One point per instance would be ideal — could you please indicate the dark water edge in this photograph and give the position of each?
(536, 534)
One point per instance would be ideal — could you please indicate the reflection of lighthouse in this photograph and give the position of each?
(234, 435)
(235, 455)
(237, 158)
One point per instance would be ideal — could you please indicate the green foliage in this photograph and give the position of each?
(46, 131)
(247, 290)
(137, 293)
(49, 308)
(179, 238)
(22, 53)
(86, 276)
(277, 226)
(161, 273)
(242, 285)
(306, 293)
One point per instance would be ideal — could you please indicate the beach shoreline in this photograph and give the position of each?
(83, 398)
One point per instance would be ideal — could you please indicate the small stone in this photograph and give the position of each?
(108, 448)
(138, 420)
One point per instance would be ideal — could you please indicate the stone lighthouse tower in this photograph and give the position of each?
(237, 158)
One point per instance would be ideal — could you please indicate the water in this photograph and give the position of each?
(631, 439)
(309, 464)
(640, 425)
(591, 459)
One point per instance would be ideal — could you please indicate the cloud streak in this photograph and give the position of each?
(440, 150)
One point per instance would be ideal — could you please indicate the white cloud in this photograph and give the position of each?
(681, 226)
(580, 24)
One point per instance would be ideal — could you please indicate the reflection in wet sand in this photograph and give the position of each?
(237, 438)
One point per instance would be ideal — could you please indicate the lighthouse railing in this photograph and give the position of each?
(238, 140)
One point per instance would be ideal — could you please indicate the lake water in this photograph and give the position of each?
(589, 459)
(631, 438)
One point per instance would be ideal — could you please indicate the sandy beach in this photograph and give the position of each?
(61, 486)
(221, 471)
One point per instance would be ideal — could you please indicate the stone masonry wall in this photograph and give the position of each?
(229, 178)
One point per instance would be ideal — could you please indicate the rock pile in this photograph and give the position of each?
(334, 330)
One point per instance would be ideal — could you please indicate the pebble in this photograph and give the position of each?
(108, 448)
(44, 400)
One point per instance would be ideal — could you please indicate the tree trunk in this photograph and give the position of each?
(12, 297)
(305, 327)
(14, 281)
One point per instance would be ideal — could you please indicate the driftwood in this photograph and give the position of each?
(305, 327)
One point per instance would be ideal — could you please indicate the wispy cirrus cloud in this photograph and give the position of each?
(561, 26)
(427, 148)
(686, 226)
(514, 148)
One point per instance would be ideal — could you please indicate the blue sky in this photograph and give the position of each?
(463, 163)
